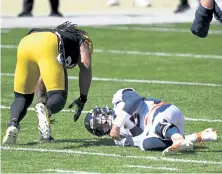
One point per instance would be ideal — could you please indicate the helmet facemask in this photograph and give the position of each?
(100, 122)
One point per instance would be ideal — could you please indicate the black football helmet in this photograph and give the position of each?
(99, 121)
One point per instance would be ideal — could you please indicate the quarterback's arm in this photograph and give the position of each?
(121, 118)
(124, 110)
(138, 135)
(85, 73)
(126, 134)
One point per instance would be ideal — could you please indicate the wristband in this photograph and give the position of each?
(83, 97)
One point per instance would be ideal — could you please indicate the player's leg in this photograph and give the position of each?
(55, 8)
(27, 8)
(142, 3)
(55, 79)
(113, 2)
(169, 125)
(154, 143)
(40, 91)
(18, 111)
(183, 6)
(218, 10)
(203, 18)
(26, 76)
(207, 135)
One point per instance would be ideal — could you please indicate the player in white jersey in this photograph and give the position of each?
(148, 123)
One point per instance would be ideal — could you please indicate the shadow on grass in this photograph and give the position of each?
(200, 147)
(78, 142)
(205, 149)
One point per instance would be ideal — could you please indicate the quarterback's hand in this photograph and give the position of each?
(114, 133)
(78, 105)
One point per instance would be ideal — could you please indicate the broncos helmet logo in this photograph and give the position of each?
(99, 121)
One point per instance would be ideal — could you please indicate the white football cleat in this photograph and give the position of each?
(142, 3)
(10, 135)
(44, 123)
(179, 146)
(207, 135)
(113, 2)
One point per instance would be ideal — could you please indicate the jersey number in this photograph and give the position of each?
(68, 62)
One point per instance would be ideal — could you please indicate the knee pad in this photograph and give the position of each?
(165, 129)
(56, 100)
(132, 100)
(63, 93)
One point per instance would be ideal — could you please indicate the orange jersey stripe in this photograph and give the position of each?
(149, 116)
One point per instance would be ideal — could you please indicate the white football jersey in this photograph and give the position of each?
(142, 110)
(156, 111)
(117, 97)
(118, 106)
(219, 3)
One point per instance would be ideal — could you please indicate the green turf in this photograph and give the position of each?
(80, 151)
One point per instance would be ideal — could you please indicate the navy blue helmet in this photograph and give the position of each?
(99, 121)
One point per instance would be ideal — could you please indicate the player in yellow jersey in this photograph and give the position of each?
(43, 57)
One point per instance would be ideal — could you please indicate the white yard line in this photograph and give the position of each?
(68, 171)
(104, 17)
(5, 30)
(112, 155)
(128, 166)
(151, 167)
(9, 46)
(161, 54)
(139, 81)
(84, 112)
(158, 29)
(203, 120)
(156, 82)
(144, 53)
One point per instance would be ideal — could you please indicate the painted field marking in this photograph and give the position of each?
(113, 155)
(5, 30)
(139, 81)
(151, 167)
(9, 46)
(84, 112)
(68, 171)
(144, 53)
(128, 166)
(158, 29)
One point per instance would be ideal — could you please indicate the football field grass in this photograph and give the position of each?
(162, 61)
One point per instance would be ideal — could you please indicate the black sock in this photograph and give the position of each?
(19, 107)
